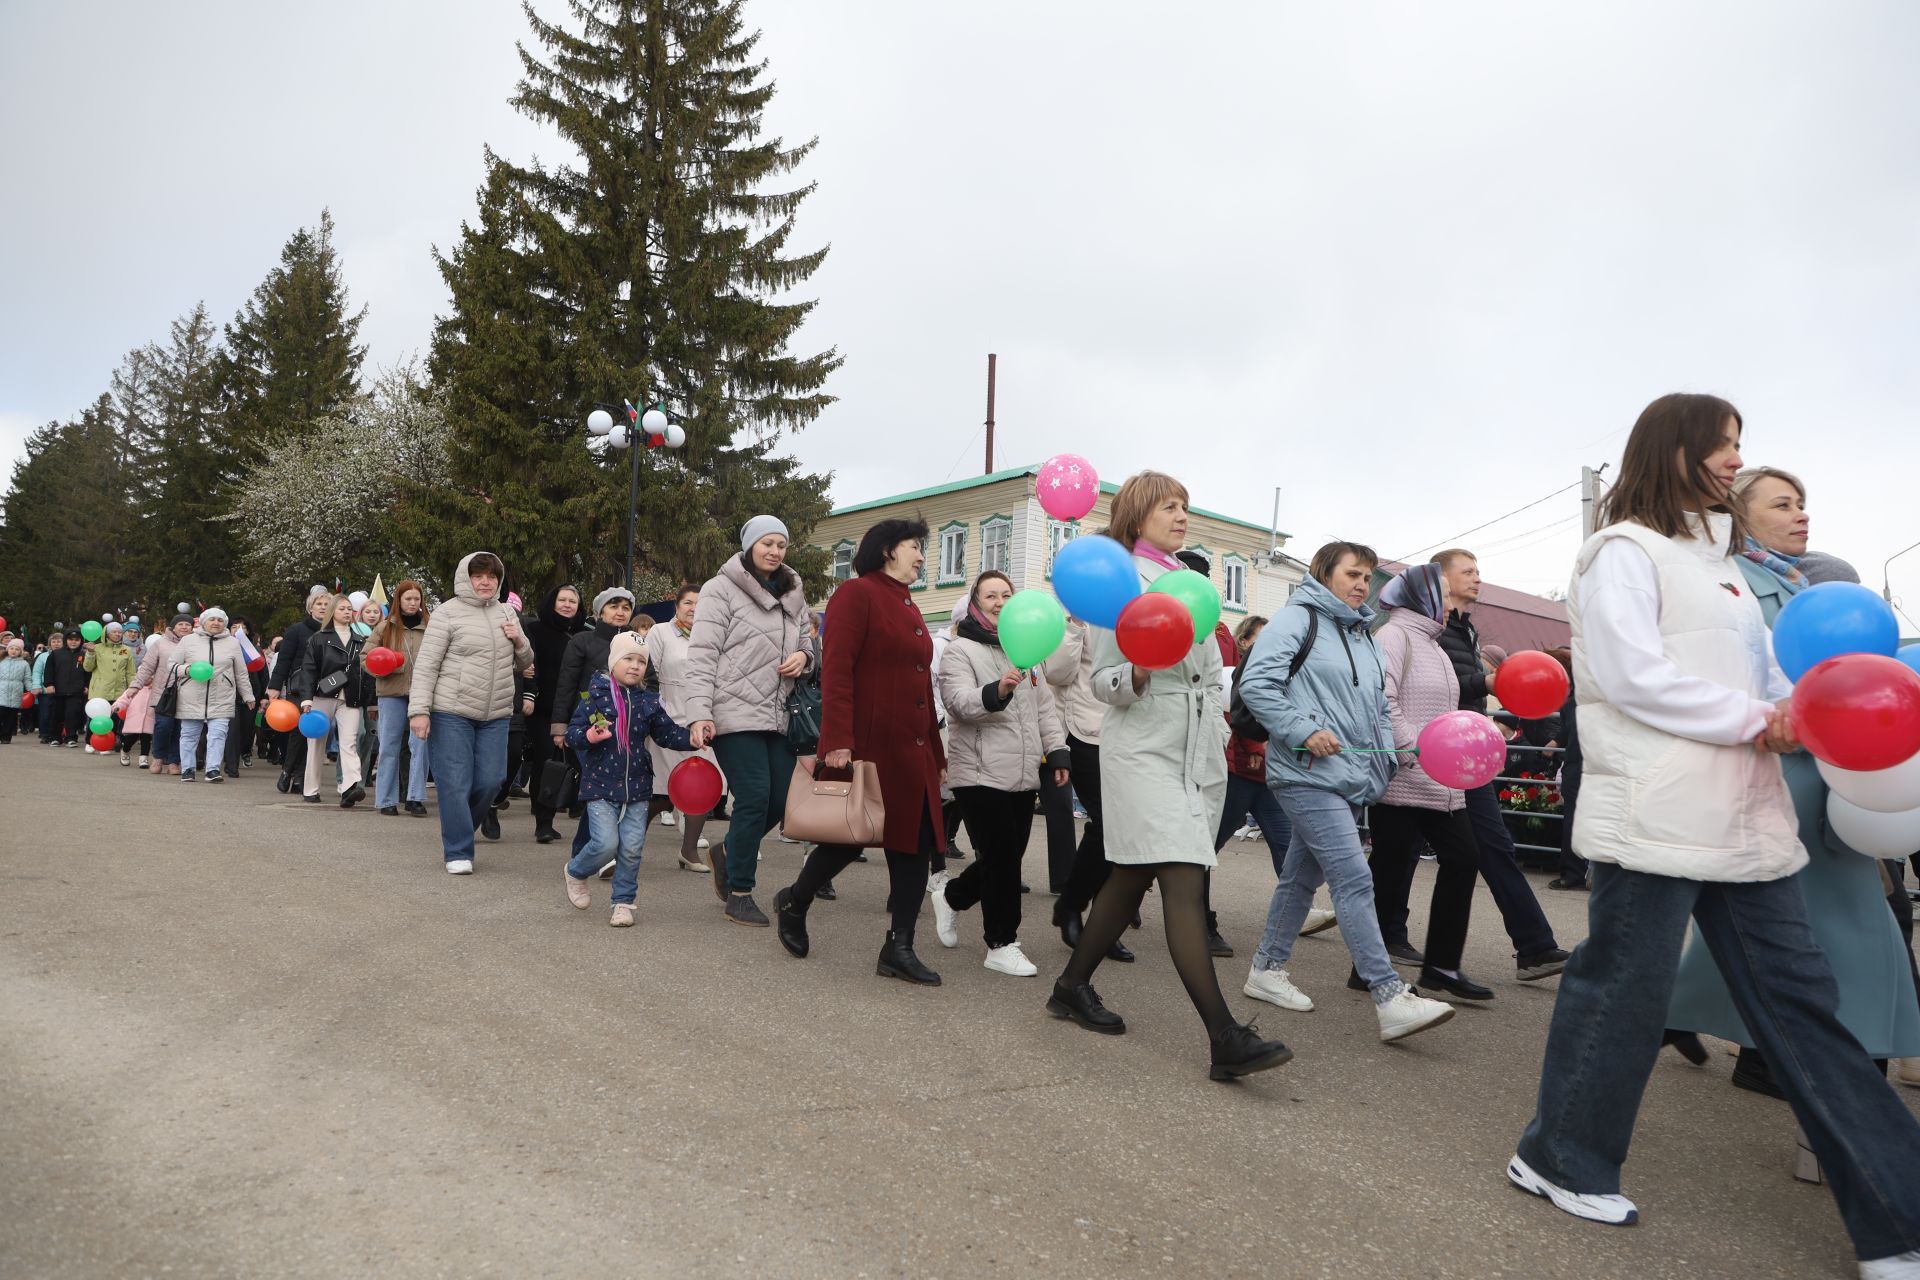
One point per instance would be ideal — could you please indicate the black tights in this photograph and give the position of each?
(1183, 888)
(906, 871)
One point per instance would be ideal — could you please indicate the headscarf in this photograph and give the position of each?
(1778, 563)
(1421, 588)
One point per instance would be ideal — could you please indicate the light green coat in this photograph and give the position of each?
(1163, 752)
(112, 667)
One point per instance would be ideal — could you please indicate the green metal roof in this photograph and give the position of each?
(1014, 473)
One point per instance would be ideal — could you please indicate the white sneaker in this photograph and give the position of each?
(460, 867)
(91, 751)
(938, 881)
(143, 762)
(1901, 1266)
(784, 838)
(1275, 987)
(1250, 833)
(702, 843)
(1009, 959)
(1615, 1211)
(606, 872)
(577, 892)
(1407, 1013)
(944, 919)
(1318, 918)
(666, 819)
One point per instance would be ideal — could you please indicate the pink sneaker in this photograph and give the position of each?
(577, 892)
(622, 916)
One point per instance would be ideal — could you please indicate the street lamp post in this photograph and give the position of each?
(654, 429)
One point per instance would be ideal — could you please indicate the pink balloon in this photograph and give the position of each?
(1067, 486)
(1462, 750)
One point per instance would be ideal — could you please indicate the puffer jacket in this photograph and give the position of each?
(1341, 688)
(217, 698)
(407, 643)
(112, 668)
(742, 632)
(466, 663)
(1461, 640)
(991, 743)
(609, 771)
(1421, 687)
(65, 672)
(40, 660)
(14, 674)
(585, 657)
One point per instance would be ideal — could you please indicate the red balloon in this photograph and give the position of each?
(695, 786)
(3, 624)
(1531, 685)
(1859, 711)
(381, 661)
(101, 741)
(26, 701)
(1155, 631)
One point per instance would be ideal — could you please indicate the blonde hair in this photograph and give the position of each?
(1746, 479)
(1139, 496)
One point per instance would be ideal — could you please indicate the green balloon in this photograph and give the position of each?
(101, 724)
(1032, 625)
(91, 631)
(201, 671)
(1197, 592)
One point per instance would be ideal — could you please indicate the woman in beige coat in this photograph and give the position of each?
(1002, 726)
(667, 646)
(1163, 778)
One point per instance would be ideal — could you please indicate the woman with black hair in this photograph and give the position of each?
(877, 705)
(560, 618)
(751, 640)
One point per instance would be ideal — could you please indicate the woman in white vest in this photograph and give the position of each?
(1684, 814)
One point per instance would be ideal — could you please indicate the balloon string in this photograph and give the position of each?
(1368, 751)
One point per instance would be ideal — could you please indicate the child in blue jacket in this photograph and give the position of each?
(616, 776)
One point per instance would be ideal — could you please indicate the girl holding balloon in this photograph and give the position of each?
(211, 678)
(330, 664)
(1163, 762)
(1684, 814)
(400, 634)
(1846, 906)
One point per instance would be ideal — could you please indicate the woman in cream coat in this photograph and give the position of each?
(1684, 814)
(667, 671)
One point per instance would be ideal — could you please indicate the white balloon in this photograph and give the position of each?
(676, 435)
(1894, 790)
(653, 422)
(97, 707)
(1878, 835)
(599, 422)
(617, 437)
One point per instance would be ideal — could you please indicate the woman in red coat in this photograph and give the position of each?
(877, 704)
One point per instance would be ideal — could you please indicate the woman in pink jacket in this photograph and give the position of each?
(1416, 810)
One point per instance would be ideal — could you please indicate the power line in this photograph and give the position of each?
(1500, 543)
(1447, 542)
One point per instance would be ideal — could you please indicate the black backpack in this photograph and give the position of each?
(1241, 720)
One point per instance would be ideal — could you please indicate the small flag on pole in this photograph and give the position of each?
(379, 594)
(254, 661)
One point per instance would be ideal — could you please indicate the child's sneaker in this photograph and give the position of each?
(622, 916)
(577, 892)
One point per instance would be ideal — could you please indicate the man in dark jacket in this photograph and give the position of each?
(1537, 953)
(293, 651)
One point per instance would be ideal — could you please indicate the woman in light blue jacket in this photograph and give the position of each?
(1316, 683)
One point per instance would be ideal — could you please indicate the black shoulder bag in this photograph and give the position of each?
(1239, 718)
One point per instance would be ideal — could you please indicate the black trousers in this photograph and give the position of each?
(1090, 866)
(1056, 802)
(999, 823)
(1398, 833)
(906, 872)
(9, 721)
(295, 764)
(539, 750)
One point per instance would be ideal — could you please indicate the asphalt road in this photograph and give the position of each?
(242, 1037)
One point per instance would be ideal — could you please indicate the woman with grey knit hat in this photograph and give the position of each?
(752, 639)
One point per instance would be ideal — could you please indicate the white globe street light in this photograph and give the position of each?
(617, 436)
(653, 422)
(621, 434)
(599, 422)
(676, 435)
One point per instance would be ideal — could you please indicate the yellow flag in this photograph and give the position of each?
(379, 593)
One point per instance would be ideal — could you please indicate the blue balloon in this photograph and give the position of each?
(1828, 620)
(1910, 654)
(314, 724)
(1095, 578)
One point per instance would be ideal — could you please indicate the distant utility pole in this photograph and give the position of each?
(1589, 499)
(992, 360)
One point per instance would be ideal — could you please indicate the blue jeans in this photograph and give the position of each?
(1612, 1009)
(1325, 847)
(620, 831)
(392, 725)
(469, 763)
(1512, 891)
(216, 731)
(1245, 796)
(165, 748)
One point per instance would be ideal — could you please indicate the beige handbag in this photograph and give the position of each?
(843, 811)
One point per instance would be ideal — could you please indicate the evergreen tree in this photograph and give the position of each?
(67, 530)
(169, 402)
(655, 268)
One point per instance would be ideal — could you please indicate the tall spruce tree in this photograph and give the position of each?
(67, 532)
(187, 464)
(655, 268)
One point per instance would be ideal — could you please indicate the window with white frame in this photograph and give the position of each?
(996, 544)
(1235, 595)
(953, 555)
(842, 561)
(1059, 534)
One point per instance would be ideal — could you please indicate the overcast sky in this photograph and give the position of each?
(1414, 262)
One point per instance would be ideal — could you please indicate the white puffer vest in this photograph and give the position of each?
(1655, 802)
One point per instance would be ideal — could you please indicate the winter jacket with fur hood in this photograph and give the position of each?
(466, 663)
(743, 630)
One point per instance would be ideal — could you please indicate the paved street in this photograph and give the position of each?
(240, 1036)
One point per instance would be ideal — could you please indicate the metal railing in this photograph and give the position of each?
(1506, 780)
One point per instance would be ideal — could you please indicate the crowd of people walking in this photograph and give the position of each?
(1694, 801)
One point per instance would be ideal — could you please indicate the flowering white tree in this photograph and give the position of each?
(318, 505)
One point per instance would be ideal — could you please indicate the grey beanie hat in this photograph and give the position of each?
(759, 527)
(611, 593)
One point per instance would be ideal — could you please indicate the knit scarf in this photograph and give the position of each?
(981, 619)
(1784, 567)
(1147, 551)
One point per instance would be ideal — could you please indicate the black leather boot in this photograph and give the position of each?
(1068, 923)
(1241, 1051)
(1750, 1071)
(790, 922)
(898, 961)
(1688, 1045)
